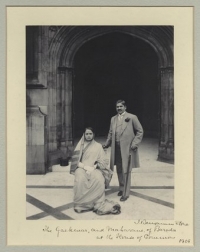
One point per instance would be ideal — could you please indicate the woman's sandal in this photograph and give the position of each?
(106, 213)
(118, 212)
(82, 211)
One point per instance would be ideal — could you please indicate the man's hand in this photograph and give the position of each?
(104, 146)
(133, 148)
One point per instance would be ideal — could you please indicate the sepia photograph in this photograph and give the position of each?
(99, 107)
(100, 122)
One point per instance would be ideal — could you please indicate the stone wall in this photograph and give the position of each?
(50, 82)
(36, 141)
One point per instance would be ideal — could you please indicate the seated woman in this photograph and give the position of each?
(92, 176)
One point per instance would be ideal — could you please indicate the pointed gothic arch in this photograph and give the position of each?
(63, 48)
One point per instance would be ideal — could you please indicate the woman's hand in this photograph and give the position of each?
(81, 165)
(89, 168)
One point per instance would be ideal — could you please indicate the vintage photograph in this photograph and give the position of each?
(100, 122)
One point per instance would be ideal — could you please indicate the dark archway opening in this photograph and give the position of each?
(111, 67)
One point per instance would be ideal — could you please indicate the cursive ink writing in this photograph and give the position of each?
(120, 236)
(47, 229)
(97, 230)
(159, 229)
(146, 236)
(122, 229)
(180, 223)
(70, 230)
(137, 231)
(145, 222)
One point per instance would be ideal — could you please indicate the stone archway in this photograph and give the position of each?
(111, 67)
(64, 45)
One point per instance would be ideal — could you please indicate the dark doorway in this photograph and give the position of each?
(111, 67)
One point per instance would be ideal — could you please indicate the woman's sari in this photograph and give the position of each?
(89, 188)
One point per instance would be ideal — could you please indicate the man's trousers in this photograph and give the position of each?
(124, 180)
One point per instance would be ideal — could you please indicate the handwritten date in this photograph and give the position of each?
(184, 240)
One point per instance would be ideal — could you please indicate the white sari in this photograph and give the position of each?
(89, 188)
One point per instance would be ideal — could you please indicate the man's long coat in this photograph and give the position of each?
(131, 135)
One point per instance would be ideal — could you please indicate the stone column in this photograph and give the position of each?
(64, 112)
(37, 60)
(36, 142)
(53, 152)
(166, 146)
(52, 141)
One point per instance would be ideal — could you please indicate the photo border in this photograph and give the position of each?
(3, 238)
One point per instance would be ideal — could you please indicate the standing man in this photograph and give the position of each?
(124, 137)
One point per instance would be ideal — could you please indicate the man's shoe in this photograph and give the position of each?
(123, 198)
(120, 193)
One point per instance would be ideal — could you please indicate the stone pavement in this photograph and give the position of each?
(50, 196)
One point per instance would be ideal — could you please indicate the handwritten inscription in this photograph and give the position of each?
(184, 240)
(60, 230)
(140, 230)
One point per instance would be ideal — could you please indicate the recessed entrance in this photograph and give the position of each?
(80, 73)
(111, 67)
